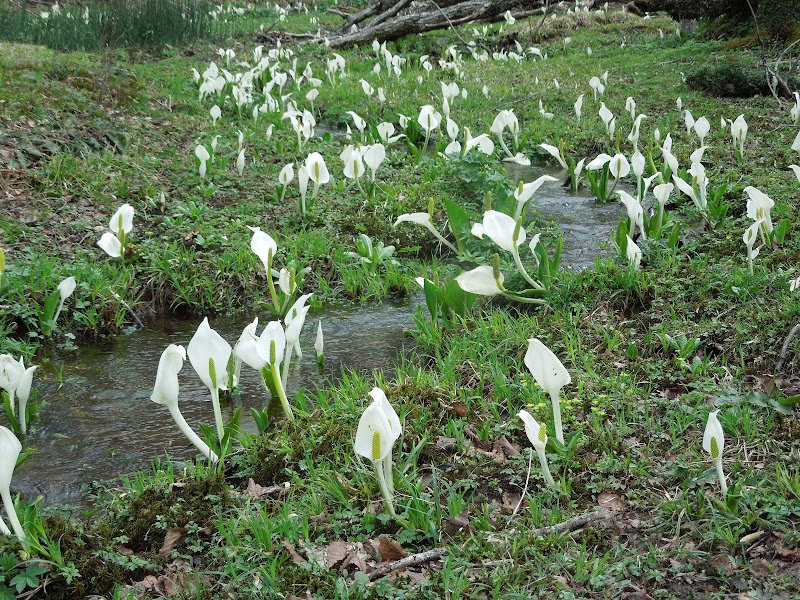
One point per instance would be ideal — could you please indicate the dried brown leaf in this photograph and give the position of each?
(511, 499)
(610, 501)
(506, 447)
(390, 549)
(172, 538)
(290, 548)
(457, 525)
(460, 409)
(788, 554)
(259, 491)
(446, 443)
(335, 554)
(723, 564)
(306, 596)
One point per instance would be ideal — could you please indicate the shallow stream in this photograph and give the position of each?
(99, 422)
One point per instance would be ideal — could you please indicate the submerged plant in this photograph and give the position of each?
(378, 429)
(551, 376)
(166, 392)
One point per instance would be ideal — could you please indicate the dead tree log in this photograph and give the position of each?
(401, 18)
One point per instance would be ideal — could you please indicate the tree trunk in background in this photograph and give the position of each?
(393, 19)
(695, 9)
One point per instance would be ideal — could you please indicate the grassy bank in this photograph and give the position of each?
(293, 512)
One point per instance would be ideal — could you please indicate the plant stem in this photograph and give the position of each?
(546, 470)
(271, 283)
(217, 412)
(387, 497)
(287, 409)
(518, 261)
(425, 145)
(12, 517)
(58, 311)
(191, 435)
(23, 421)
(287, 360)
(557, 417)
(723, 486)
(522, 299)
(503, 145)
(443, 240)
(387, 474)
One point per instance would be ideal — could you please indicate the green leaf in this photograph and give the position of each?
(789, 400)
(434, 298)
(459, 301)
(459, 224)
(674, 237)
(779, 233)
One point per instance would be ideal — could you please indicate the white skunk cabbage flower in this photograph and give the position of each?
(537, 435)
(714, 444)
(550, 374)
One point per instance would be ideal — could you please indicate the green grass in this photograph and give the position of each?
(641, 390)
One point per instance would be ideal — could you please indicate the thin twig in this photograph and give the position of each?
(138, 325)
(545, 10)
(411, 560)
(785, 349)
(569, 524)
(525, 487)
(439, 8)
(770, 73)
(339, 13)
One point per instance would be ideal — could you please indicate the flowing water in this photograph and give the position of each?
(584, 222)
(101, 422)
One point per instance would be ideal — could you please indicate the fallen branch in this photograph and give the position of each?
(389, 13)
(411, 560)
(570, 524)
(426, 16)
